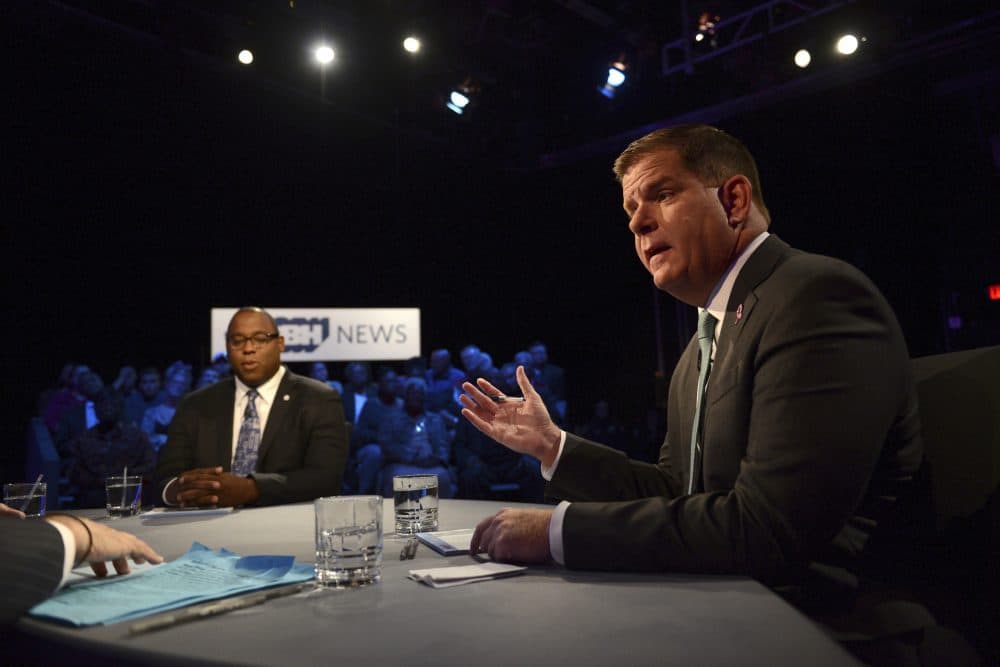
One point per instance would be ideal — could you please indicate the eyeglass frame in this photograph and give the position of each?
(255, 343)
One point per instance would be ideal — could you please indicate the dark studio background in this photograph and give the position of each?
(149, 179)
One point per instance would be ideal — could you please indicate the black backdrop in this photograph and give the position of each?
(144, 188)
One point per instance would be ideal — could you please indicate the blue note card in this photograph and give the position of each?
(198, 576)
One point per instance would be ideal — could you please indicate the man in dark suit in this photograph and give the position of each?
(265, 437)
(809, 425)
(37, 554)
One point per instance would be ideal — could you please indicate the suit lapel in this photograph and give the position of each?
(279, 412)
(742, 299)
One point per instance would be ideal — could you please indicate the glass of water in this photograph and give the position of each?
(124, 495)
(415, 499)
(28, 497)
(348, 540)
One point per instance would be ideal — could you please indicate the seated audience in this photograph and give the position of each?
(63, 384)
(553, 379)
(356, 390)
(208, 377)
(124, 384)
(106, 449)
(64, 400)
(414, 441)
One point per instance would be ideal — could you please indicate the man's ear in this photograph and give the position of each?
(736, 195)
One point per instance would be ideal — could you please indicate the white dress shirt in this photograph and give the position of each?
(718, 299)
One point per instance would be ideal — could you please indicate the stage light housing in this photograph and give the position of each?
(803, 58)
(412, 44)
(847, 44)
(324, 55)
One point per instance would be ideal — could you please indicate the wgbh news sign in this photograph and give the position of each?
(336, 334)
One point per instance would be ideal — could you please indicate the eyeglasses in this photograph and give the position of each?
(260, 339)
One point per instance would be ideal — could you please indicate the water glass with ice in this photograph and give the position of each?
(415, 499)
(348, 540)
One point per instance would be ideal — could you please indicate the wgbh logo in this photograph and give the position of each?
(304, 334)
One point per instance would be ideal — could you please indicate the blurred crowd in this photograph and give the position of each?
(402, 419)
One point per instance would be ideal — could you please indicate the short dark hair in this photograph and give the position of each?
(707, 152)
(254, 309)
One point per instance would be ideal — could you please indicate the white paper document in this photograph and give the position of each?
(444, 577)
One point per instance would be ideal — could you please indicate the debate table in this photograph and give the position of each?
(548, 616)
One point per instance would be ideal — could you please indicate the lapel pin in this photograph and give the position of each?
(739, 312)
(286, 397)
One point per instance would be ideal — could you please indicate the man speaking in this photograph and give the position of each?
(265, 437)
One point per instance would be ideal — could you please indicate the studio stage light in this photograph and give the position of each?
(411, 44)
(245, 56)
(324, 55)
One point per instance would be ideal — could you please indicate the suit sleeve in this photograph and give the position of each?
(817, 394)
(324, 446)
(178, 454)
(31, 565)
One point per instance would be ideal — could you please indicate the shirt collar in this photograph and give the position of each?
(266, 390)
(719, 298)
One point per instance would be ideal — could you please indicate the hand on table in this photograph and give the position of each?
(11, 512)
(524, 427)
(211, 487)
(105, 544)
(514, 535)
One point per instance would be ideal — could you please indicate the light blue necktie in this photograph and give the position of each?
(249, 439)
(706, 334)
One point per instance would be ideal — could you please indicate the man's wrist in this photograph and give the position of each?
(550, 453)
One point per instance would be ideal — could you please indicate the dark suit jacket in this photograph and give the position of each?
(810, 421)
(302, 450)
(31, 565)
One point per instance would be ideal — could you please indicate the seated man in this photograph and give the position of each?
(415, 442)
(793, 440)
(156, 420)
(147, 395)
(264, 437)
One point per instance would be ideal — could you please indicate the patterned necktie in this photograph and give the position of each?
(706, 334)
(249, 440)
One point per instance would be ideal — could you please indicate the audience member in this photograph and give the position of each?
(264, 437)
(221, 365)
(366, 453)
(318, 371)
(63, 384)
(443, 383)
(553, 378)
(478, 364)
(149, 393)
(37, 556)
(81, 416)
(415, 441)
(65, 399)
(156, 420)
(124, 384)
(208, 377)
(106, 449)
(356, 391)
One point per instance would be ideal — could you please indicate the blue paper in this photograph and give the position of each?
(199, 575)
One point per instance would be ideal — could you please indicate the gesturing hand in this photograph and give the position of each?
(522, 426)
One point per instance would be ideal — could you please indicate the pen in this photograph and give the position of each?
(215, 608)
(507, 399)
(409, 549)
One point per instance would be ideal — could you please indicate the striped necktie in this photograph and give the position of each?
(248, 442)
(706, 334)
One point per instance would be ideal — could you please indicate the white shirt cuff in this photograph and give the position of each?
(555, 532)
(69, 553)
(551, 470)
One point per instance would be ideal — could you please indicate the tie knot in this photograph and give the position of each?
(706, 325)
(252, 394)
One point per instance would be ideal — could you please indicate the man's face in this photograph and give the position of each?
(176, 385)
(471, 359)
(357, 376)
(320, 372)
(681, 229)
(539, 355)
(91, 385)
(149, 385)
(387, 385)
(413, 400)
(252, 364)
(440, 361)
